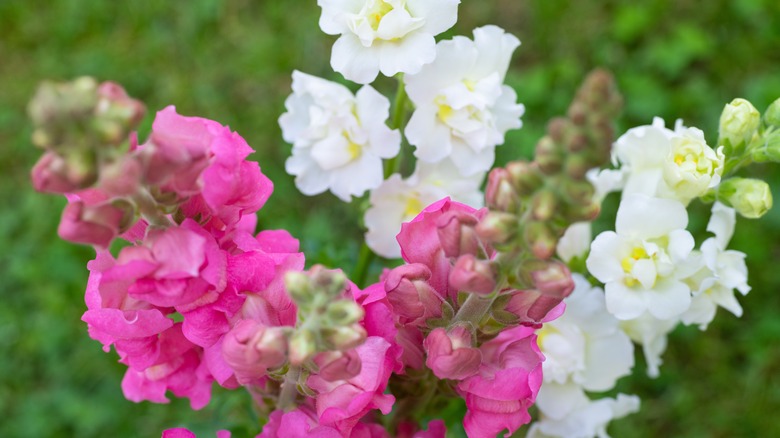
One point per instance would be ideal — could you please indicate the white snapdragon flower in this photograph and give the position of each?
(642, 261)
(463, 109)
(581, 417)
(721, 272)
(676, 164)
(650, 333)
(399, 200)
(390, 36)
(585, 345)
(339, 139)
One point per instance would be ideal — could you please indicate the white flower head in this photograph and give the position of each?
(399, 200)
(676, 164)
(339, 139)
(642, 262)
(568, 413)
(575, 241)
(390, 36)
(721, 272)
(463, 109)
(585, 345)
(650, 333)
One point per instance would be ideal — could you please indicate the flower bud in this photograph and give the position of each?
(499, 193)
(116, 113)
(330, 282)
(534, 307)
(472, 275)
(298, 285)
(92, 224)
(450, 354)
(413, 299)
(497, 227)
(526, 177)
(338, 365)
(544, 205)
(52, 174)
(342, 313)
(302, 346)
(772, 114)
(551, 278)
(343, 338)
(751, 198)
(548, 156)
(738, 122)
(457, 233)
(251, 349)
(541, 239)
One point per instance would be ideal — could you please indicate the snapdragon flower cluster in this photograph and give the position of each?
(462, 110)
(484, 306)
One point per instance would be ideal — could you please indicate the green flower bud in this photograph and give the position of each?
(298, 286)
(750, 197)
(303, 345)
(772, 114)
(343, 338)
(738, 122)
(343, 313)
(497, 227)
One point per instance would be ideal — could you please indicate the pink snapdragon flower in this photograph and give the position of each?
(451, 354)
(506, 385)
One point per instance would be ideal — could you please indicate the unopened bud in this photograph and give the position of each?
(343, 338)
(552, 278)
(548, 156)
(738, 122)
(91, 224)
(472, 275)
(327, 281)
(413, 299)
(342, 313)
(457, 234)
(752, 198)
(338, 365)
(497, 227)
(500, 193)
(53, 174)
(121, 177)
(545, 203)
(577, 165)
(534, 307)
(541, 239)
(526, 177)
(298, 285)
(302, 346)
(772, 114)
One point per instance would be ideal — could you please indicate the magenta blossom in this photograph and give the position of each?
(451, 354)
(506, 385)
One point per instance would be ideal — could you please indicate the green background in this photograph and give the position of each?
(231, 61)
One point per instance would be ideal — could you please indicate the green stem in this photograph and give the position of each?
(398, 121)
(289, 392)
(474, 309)
(364, 261)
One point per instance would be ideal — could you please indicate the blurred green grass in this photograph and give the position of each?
(231, 61)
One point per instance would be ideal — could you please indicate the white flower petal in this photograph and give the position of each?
(357, 63)
(645, 217)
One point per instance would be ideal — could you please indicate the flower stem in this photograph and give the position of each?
(361, 269)
(398, 121)
(474, 309)
(289, 392)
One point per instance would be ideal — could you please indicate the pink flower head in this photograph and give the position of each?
(419, 241)
(178, 368)
(499, 395)
(341, 404)
(175, 267)
(251, 349)
(414, 301)
(299, 423)
(178, 432)
(534, 307)
(450, 353)
(338, 365)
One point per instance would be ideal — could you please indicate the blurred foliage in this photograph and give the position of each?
(231, 61)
